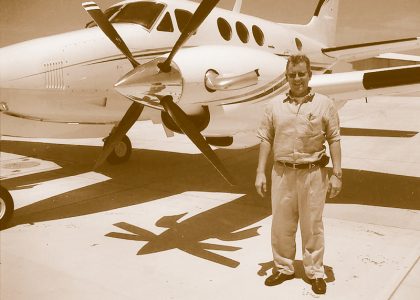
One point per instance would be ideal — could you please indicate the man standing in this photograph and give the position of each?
(296, 128)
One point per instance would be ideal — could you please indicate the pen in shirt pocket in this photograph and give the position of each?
(311, 117)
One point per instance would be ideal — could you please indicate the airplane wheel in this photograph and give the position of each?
(121, 152)
(6, 206)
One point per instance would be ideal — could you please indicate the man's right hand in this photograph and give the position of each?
(261, 184)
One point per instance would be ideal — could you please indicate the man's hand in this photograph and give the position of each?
(334, 186)
(261, 183)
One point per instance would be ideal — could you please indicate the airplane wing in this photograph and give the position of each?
(355, 52)
(357, 84)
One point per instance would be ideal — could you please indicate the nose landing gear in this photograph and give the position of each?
(121, 152)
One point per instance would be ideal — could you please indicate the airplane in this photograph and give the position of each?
(198, 70)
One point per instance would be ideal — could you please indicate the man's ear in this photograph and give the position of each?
(310, 74)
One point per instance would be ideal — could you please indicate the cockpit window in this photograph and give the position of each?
(166, 24)
(142, 13)
(108, 14)
(182, 18)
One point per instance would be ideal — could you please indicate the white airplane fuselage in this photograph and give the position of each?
(68, 79)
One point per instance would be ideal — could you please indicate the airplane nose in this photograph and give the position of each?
(148, 83)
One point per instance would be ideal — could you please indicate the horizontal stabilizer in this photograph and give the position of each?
(386, 60)
(354, 52)
(398, 56)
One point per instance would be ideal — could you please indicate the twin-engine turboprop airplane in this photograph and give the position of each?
(206, 70)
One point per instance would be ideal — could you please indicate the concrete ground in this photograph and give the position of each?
(166, 225)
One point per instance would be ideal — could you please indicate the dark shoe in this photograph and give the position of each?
(278, 278)
(319, 286)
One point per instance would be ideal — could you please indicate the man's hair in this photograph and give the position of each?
(298, 58)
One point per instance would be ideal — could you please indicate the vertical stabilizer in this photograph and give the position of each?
(322, 26)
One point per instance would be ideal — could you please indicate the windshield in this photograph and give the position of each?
(108, 14)
(142, 13)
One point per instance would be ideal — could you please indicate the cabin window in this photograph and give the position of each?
(166, 24)
(258, 35)
(182, 18)
(242, 32)
(224, 29)
(142, 13)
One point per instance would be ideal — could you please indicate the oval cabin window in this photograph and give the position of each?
(224, 29)
(258, 35)
(242, 32)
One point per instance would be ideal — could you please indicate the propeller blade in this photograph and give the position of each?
(183, 122)
(100, 19)
(203, 10)
(118, 132)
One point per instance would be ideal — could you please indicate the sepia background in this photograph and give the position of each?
(359, 21)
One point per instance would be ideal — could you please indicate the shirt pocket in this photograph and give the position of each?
(313, 124)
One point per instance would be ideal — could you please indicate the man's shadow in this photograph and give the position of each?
(299, 271)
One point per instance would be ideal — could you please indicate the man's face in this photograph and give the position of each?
(298, 77)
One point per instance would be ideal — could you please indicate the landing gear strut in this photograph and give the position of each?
(121, 152)
(6, 206)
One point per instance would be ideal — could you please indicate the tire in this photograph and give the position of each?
(6, 206)
(121, 152)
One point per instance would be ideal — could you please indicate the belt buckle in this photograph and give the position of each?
(294, 166)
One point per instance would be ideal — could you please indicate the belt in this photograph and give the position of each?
(300, 166)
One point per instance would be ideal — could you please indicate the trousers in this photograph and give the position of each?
(298, 195)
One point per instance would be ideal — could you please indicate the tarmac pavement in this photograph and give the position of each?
(166, 226)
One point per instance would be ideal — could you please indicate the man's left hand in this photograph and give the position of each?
(334, 186)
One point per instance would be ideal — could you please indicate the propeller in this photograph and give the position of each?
(100, 19)
(133, 113)
(203, 10)
(180, 118)
(184, 123)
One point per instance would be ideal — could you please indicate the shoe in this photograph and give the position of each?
(319, 286)
(278, 278)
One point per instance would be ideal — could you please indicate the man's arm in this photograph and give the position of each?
(260, 180)
(335, 179)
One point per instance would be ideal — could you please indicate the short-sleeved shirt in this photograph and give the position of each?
(297, 132)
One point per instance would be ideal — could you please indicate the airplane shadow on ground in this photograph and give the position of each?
(149, 175)
(379, 189)
(224, 222)
(152, 175)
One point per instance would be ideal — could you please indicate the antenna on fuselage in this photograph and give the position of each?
(237, 6)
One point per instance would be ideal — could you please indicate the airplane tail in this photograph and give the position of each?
(323, 24)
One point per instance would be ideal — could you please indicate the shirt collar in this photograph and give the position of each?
(307, 98)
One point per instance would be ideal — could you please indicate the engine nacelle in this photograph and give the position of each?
(243, 74)
(207, 75)
(200, 118)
